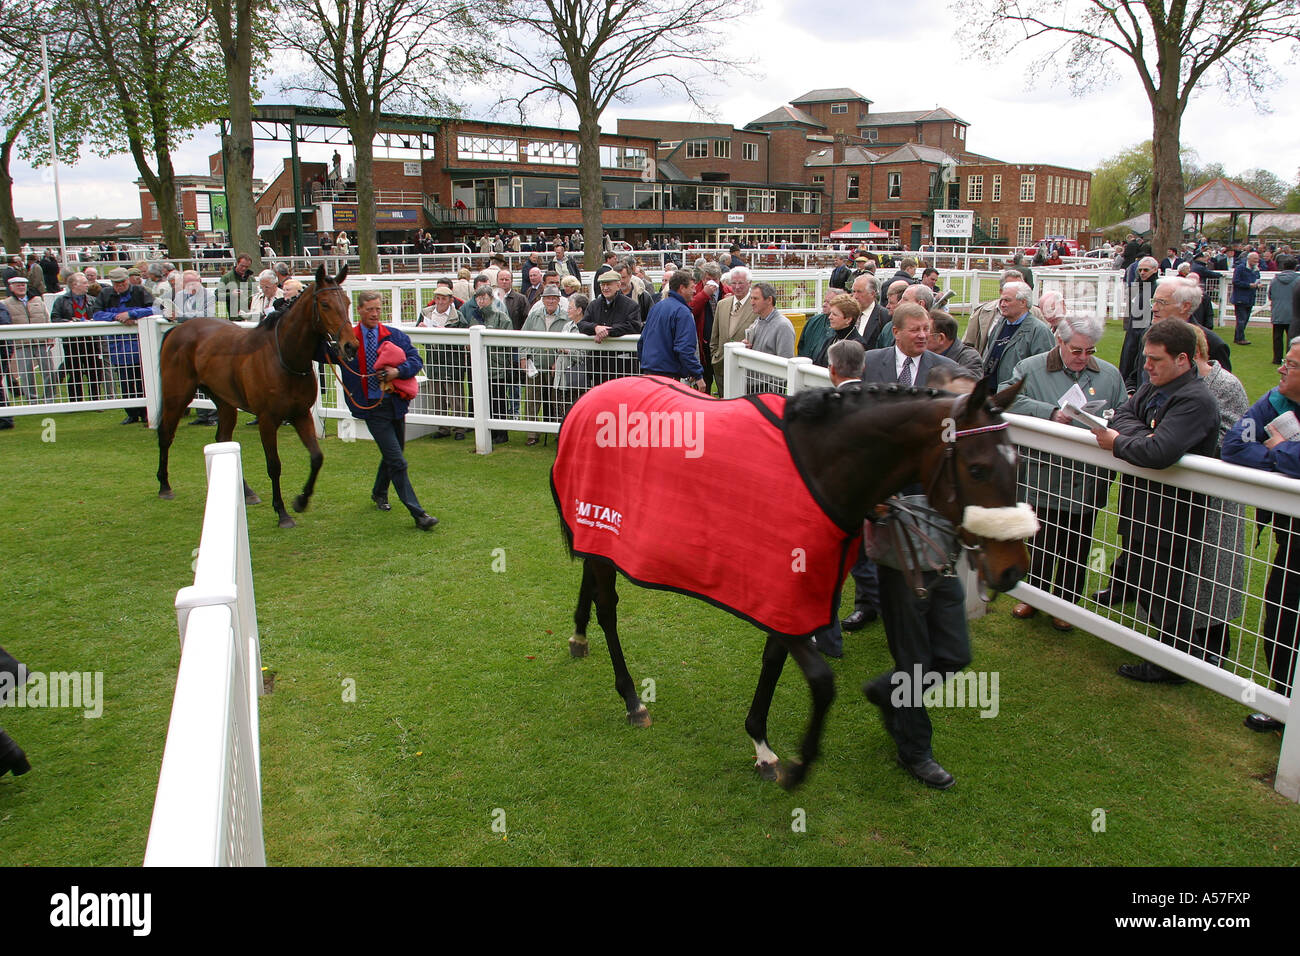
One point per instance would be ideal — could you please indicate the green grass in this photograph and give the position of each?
(467, 701)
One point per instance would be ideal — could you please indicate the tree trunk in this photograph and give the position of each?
(1166, 172)
(589, 188)
(169, 215)
(237, 147)
(363, 145)
(8, 221)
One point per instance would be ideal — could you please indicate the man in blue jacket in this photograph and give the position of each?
(668, 342)
(1245, 283)
(125, 303)
(384, 412)
(1249, 443)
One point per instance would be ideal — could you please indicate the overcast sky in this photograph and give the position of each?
(898, 62)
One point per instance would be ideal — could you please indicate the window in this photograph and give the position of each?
(153, 210)
(1083, 200)
(551, 152)
(974, 188)
(492, 149)
(1027, 184)
(623, 157)
(1074, 192)
(669, 144)
(697, 149)
(997, 189)
(995, 228)
(722, 149)
(749, 151)
(895, 185)
(645, 196)
(837, 108)
(870, 135)
(1025, 231)
(853, 187)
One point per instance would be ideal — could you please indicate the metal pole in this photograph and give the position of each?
(54, 162)
(297, 188)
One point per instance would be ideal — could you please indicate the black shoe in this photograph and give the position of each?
(929, 773)
(12, 757)
(826, 649)
(859, 619)
(425, 522)
(129, 420)
(1240, 342)
(5, 426)
(381, 502)
(1149, 673)
(202, 421)
(500, 438)
(1263, 723)
(459, 436)
(1113, 596)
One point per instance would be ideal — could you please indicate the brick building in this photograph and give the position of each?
(202, 204)
(1019, 203)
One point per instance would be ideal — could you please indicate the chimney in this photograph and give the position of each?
(837, 151)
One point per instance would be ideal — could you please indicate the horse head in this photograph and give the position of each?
(331, 305)
(971, 481)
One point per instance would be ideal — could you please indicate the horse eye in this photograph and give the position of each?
(979, 472)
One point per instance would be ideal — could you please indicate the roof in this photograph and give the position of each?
(1222, 195)
(912, 116)
(45, 232)
(787, 114)
(853, 156)
(913, 152)
(862, 228)
(832, 95)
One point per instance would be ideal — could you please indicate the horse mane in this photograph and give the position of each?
(272, 319)
(833, 404)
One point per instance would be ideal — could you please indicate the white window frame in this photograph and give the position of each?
(697, 149)
(722, 149)
(491, 149)
(975, 188)
(995, 227)
(894, 182)
(996, 189)
(839, 109)
(749, 152)
(1028, 187)
(1024, 231)
(854, 186)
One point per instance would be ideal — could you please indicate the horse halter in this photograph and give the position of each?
(330, 341)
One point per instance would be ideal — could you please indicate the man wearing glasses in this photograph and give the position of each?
(1140, 289)
(1251, 444)
(1065, 495)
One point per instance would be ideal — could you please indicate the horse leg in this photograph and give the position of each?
(821, 682)
(774, 655)
(268, 425)
(305, 426)
(603, 580)
(177, 387)
(582, 614)
(227, 416)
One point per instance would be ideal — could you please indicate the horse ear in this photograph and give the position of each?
(320, 276)
(1004, 398)
(976, 399)
(342, 275)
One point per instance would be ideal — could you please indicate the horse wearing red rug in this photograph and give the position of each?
(756, 504)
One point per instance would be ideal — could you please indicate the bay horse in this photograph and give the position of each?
(266, 370)
(631, 502)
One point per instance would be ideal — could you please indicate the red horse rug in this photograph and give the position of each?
(699, 495)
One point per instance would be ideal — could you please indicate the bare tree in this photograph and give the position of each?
(591, 53)
(238, 25)
(373, 55)
(1171, 44)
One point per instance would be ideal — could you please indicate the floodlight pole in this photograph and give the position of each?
(54, 162)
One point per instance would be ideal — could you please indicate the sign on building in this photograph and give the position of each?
(735, 217)
(954, 223)
(411, 169)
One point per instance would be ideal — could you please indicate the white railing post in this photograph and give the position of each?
(794, 374)
(1225, 297)
(478, 375)
(150, 347)
(733, 380)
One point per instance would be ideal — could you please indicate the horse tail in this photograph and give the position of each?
(566, 533)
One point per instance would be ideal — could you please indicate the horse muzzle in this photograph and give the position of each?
(350, 352)
(1002, 533)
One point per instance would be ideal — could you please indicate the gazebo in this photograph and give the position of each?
(860, 229)
(1224, 196)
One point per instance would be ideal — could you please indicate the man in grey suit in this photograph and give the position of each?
(924, 636)
(908, 361)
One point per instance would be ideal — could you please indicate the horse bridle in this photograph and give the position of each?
(330, 341)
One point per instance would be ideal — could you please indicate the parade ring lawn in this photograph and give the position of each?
(468, 710)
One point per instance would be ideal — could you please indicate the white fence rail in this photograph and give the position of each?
(208, 810)
(1218, 585)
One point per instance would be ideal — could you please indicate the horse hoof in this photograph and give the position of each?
(639, 718)
(790, 773)
(166, 495)
(768, 771)
(252, 500)
(287, 522)
(300, 503)
(577, 647)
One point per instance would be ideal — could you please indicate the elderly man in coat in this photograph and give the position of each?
(1064, 494)
(1014, 335)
